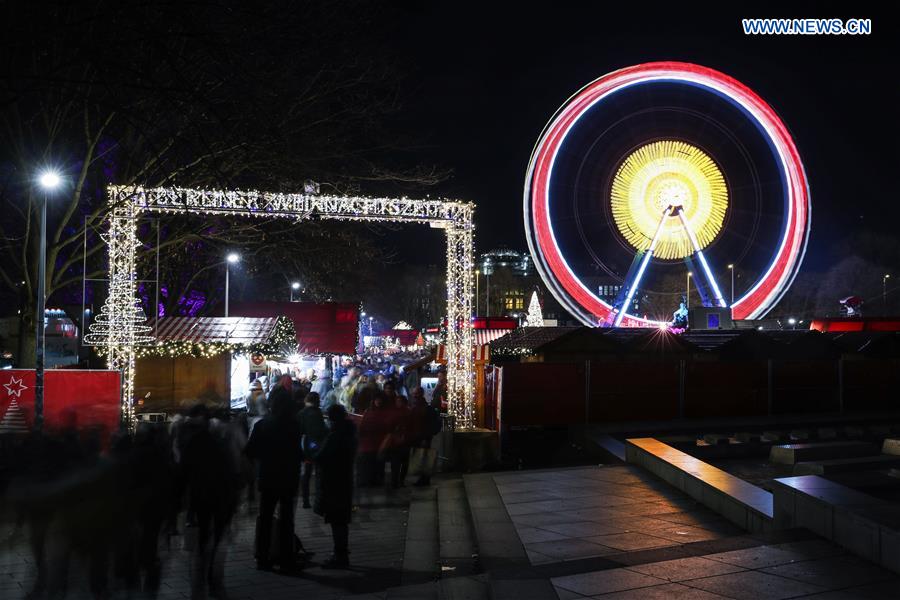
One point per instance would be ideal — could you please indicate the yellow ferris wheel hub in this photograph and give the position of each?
(662, 175)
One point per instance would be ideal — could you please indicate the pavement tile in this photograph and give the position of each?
(604, 582)
(682, 569)
(834, 572)
(567, 549)
(758, 557)
(630, 541)
(669, 591)
(585, 528)
(530, 535)
(753, 585)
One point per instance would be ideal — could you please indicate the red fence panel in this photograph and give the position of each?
(72, 398)
(633, 391)
(871, 384)
(725, 389)
(537, 394)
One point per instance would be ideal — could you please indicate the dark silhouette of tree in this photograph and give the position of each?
(217, 93)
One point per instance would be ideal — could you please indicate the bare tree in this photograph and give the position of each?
(207, 94)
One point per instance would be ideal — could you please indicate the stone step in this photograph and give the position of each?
(458, 548)
(421, 555)
(790, 454)
(842, 465)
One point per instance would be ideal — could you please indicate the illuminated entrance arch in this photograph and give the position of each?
(120, 325)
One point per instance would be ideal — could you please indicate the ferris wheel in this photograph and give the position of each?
(660, 181)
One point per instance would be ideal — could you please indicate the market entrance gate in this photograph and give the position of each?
(121, 325)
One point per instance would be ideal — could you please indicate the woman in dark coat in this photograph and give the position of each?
(335, 499)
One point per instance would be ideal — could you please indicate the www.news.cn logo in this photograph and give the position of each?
(807, 26)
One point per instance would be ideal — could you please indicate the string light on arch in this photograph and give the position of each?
(121, 329)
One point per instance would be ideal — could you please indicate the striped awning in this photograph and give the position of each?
(486, 336)
(480, 354)
(207, 330)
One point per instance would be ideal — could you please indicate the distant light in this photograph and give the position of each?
(792, 321)
(887, 276)
(233, 257)
(295, 285)
(730, 266)
(663, 326)
(49, 180)
(362, 314)
(689, 273)
(759, 328)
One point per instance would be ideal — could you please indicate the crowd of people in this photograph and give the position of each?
(112, 505)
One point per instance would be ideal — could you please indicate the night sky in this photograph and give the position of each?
(483, 82)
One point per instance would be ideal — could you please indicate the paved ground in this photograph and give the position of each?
(596, 532)
(616, 532)
(377, 538)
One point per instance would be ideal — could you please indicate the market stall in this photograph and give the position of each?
(205, 359)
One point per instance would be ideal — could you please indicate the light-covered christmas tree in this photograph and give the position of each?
(535, 318)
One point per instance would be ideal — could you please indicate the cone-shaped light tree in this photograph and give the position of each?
(534, 318)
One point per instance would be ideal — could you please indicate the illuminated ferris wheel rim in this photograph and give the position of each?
(563, 283)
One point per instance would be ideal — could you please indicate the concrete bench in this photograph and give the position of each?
(790, 454)
(867, 526)
(843, 465)
(742, 503)
(891, 446)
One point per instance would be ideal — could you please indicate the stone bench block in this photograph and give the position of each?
(789, 454)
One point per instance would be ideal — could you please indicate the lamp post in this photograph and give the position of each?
(792, 322)
(370, 326)
(294, 287)
(49, 181)
(229, 260)
(687, 290)
(884, 292)
(731, 269)
(477, 273)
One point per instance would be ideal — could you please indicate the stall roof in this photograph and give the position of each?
(322, 327)
(207, 330)
(529, 337)
(407, 337)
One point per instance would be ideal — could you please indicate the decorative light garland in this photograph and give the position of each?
(121, 330)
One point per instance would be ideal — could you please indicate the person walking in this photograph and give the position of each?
(373, 431)
(314, 431)
(276, 444)
(335, 502)
(212, 480)
(425, 423)
(439, 395)
(399, 441)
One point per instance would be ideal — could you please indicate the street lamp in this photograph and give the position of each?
(687, 290)
(231, 259)
(49, 180)
(884, 291)
(294, 287)
(792, 321)
(731, 268)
